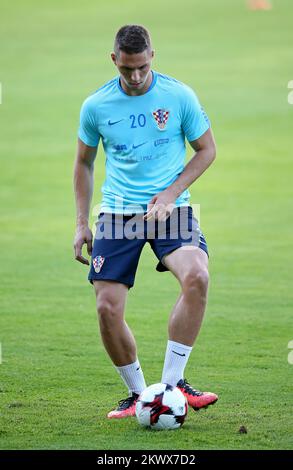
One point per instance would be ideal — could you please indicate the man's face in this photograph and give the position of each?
(135, 70)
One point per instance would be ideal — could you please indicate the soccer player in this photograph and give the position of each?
(143, 118)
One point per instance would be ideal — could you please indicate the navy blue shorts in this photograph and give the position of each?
(119, 241)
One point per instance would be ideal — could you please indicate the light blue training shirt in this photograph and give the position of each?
(143, 138)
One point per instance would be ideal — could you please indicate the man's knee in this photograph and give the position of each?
(195, 282)
(109, 311)
(110, 300)
(110, 307)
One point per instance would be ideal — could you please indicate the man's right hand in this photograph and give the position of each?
(83, 235)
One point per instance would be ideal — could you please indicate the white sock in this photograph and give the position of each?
(176, 358)
(132, 376)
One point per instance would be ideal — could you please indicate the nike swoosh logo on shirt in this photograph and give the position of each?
(139, 145)
(114, 122)
(178, 353)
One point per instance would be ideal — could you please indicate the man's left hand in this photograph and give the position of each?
(161, 206)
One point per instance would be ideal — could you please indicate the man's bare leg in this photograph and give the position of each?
(190, 266)
(119, 342)
(117, 337)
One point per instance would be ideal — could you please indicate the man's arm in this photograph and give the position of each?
(83, 187)
(205, 153)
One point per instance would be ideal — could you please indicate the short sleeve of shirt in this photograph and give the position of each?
(195, 122)
(88, 131)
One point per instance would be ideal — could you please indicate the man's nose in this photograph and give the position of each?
(135, 76)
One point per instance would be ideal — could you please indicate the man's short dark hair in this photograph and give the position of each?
(132, 39)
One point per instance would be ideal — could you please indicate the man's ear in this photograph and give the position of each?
(113, 57)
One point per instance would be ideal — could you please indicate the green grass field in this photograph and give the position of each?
(56, 382)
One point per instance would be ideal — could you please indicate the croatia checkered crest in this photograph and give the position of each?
(161, 117)
(98, 262)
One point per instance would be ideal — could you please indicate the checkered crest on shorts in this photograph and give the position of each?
(98, 262)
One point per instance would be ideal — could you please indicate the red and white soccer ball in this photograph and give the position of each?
(161, 406)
